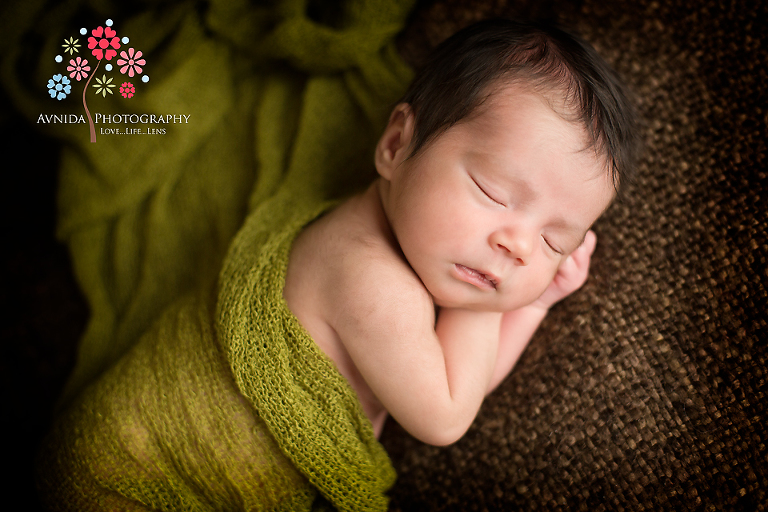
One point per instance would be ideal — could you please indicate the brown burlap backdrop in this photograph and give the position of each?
(646, 389)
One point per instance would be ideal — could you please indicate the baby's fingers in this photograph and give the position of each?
(575, 269)
(582, 254)
(572, 273)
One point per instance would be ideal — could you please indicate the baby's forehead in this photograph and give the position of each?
(510, 102)
(557, 97)
(493, 114)
(507, 106)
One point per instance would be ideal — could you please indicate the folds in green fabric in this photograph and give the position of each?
(236, 409)
(275, 99)
(166, 429)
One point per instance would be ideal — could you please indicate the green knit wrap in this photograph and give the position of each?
(168, 428)
(309, 407)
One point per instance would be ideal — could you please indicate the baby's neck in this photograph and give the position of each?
(378, 195)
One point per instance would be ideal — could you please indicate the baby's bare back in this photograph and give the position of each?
(323, 256)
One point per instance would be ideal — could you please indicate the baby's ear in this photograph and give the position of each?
(395, 142)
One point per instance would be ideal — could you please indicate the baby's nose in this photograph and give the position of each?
(515, 243)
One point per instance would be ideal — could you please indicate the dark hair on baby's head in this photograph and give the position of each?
(460, 74)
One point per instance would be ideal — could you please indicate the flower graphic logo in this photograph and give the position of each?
(104, 44)
(127, 90)
(109, 42)
(78, 68)
(58, 87)
(70, 45)
(131, 62)
(104, 85)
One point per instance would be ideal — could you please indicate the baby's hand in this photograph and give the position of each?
(571, 274)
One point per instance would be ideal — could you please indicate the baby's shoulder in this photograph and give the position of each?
(363, 260)
(368, 254)
(346, 266)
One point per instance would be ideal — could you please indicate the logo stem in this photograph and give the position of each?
(85, 105)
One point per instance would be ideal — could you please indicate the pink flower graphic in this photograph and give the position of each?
(127, 89)
(131, 62)
(110, 42)
(78, 68)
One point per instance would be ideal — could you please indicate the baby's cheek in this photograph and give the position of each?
(525, 294)
(545, 278)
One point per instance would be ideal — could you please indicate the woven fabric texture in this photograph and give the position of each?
(311, 410)
(646, 389)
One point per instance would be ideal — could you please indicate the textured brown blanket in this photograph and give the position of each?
(643, 391)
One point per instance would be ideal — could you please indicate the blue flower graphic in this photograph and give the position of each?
(58, 87)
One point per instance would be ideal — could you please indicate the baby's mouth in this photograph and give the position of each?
(477, 278)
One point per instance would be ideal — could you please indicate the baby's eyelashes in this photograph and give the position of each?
(551, 246)
(485, 191)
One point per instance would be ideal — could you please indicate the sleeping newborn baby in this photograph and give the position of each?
(425, 289)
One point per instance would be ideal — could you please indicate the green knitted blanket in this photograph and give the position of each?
(315, 416)
(284, 102)
(233, 409)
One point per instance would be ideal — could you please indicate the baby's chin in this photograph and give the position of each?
(456, 295)
(485, 306)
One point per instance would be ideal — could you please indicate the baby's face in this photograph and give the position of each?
(488, 211)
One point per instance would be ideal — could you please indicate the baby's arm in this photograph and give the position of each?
(518, 326)
(431, 379)
(458, 330)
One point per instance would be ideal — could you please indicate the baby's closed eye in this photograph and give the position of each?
(485, 189)
(552, 246)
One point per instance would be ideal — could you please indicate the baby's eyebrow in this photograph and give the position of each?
(523, 189)
(570, 230)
